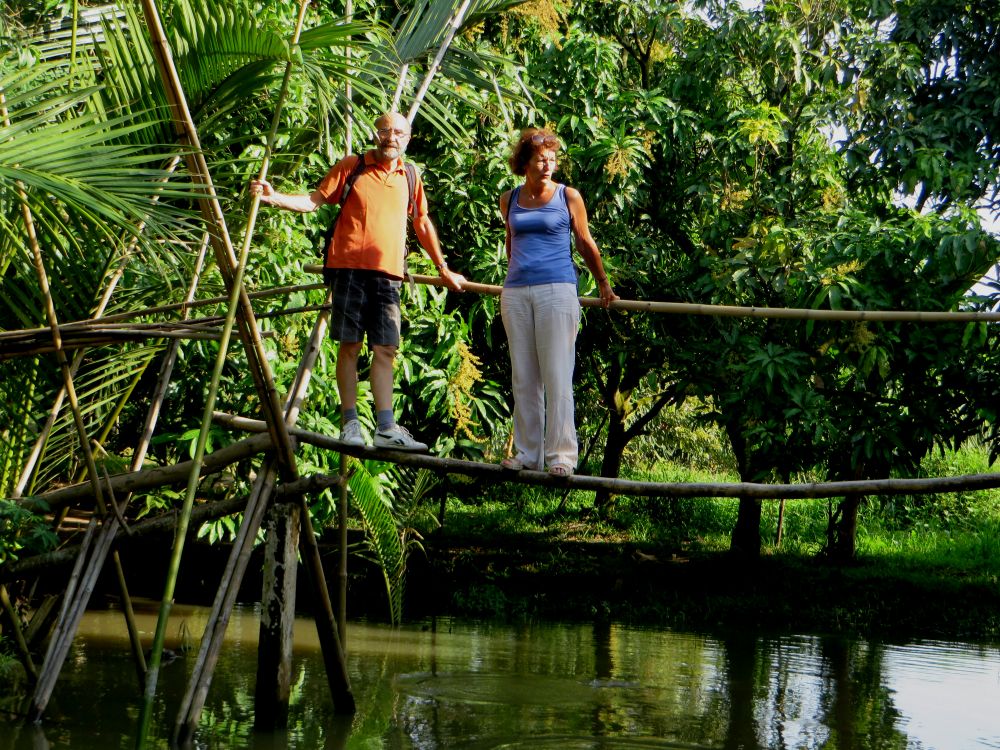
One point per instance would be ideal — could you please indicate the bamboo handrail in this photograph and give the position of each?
(23, 342)
(734, 311)
(146, 311)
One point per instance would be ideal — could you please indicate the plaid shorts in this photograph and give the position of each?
(364, 302)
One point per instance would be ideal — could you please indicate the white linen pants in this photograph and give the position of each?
(542, 321)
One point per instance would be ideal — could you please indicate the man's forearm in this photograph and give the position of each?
(302, 204)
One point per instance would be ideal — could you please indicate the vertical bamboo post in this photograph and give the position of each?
(342, 561)
(781, 522)
(277, 618)
(342, 500)
(232, 269)
(225, 598)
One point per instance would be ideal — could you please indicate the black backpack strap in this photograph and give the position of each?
(352, 177)
(359, 167)
(411, 186)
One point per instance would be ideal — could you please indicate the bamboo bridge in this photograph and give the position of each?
(279, 487)
(291, 532)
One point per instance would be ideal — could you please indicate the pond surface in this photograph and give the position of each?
(467, 686)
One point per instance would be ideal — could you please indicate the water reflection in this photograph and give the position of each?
(485, 687)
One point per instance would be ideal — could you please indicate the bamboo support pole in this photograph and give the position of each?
(109, 530)
(211, 644)
(211, 210)
(232, 270)
(185, 515)
(200, 679)
(134, 641)
(342, 499)
(59, 643)
(105, 299)
(194, 698)
(342, 553)
(59, 647)
(334, 657)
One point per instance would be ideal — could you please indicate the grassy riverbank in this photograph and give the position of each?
(926, 567)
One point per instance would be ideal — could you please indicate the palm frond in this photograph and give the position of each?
(382, 532)
(466, 74)
(105, 378)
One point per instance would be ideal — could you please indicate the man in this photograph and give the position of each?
(364, 262)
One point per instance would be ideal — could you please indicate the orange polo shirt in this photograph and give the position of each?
(371, 231)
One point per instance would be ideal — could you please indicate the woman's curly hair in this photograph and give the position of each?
(528, 142)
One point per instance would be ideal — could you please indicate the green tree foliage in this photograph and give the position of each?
(717, 150)
(926, 108)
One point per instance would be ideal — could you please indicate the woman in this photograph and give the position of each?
(539, 304)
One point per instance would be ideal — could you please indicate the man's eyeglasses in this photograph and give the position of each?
(548, 141)
(386, 132)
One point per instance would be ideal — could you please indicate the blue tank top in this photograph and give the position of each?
(540, 242)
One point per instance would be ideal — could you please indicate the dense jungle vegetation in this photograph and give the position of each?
(824, 154)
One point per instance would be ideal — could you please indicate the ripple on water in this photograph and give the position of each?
(509, 690)
(565, 742)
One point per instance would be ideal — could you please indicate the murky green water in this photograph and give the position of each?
(477, 687)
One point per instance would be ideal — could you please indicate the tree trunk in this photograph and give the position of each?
(611, 464)
(745, 541)
(842, 530)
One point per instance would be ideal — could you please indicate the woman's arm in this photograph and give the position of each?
(586, 246)
(504, 203)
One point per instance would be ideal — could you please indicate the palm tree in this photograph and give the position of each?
(89, 159)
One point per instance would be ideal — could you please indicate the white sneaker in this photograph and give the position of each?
(398, 438)
(351, 433)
